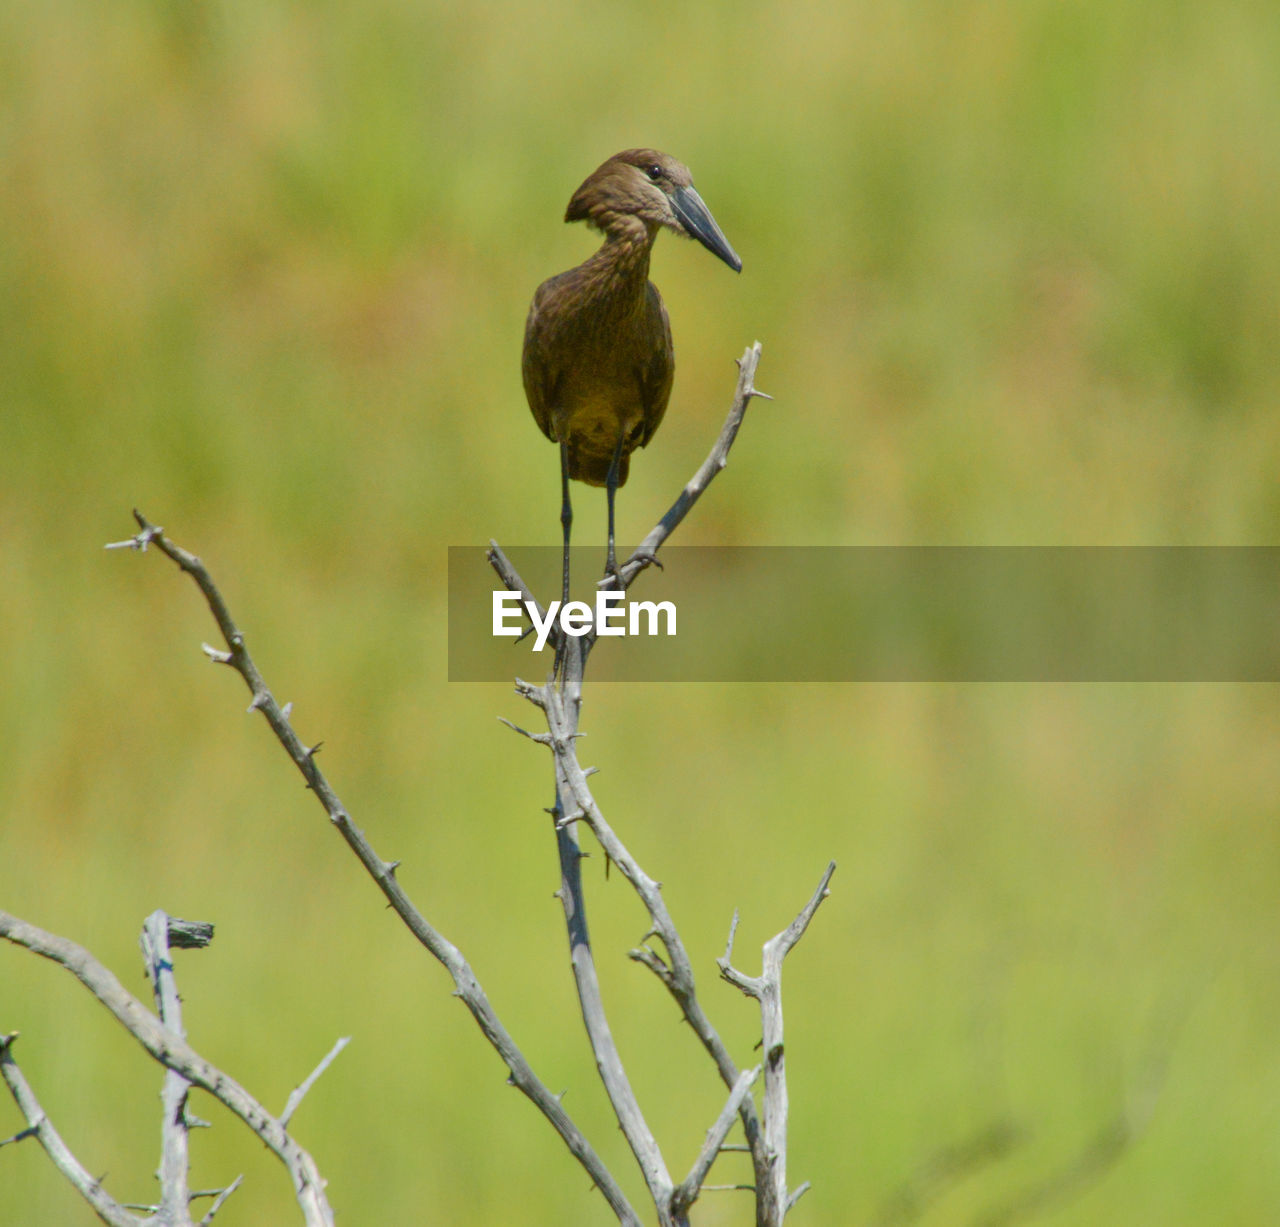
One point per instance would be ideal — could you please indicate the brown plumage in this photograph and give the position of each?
(598, 360)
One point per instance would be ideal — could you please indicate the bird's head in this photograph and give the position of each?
(643, 186)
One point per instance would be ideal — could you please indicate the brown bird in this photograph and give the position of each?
(598, 360)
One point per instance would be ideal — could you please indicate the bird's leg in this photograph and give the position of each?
(566, 522)
(566, 519)
(611, 485)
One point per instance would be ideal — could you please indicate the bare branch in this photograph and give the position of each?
(574, 802)
(175, 1197)
(511, 578)
(41, 1128)
(642, 954)
(773, 1200)
(574, 794)
(173, 1052)
(561, 707)
(689, 1188)
(679, 976)
(645, 552)
(138, 542)
(542, 739)
(796, 1194)
(219, 1200)
(383, 873)
(795, 930)
(300, 1091)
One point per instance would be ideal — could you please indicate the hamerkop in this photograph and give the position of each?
(598, 360)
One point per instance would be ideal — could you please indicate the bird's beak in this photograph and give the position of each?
(697, 221)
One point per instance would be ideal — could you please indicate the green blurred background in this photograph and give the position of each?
(264, 272)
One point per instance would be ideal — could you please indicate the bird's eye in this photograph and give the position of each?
(655, 172)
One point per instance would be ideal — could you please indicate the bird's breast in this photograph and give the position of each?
(597, 363)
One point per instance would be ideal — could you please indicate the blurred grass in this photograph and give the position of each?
(263, 273)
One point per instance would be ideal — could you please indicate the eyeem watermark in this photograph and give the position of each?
(892, 614)
(609, 617)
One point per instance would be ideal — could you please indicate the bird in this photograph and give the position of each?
(598, 361)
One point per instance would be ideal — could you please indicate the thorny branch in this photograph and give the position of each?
(715, 461)
(467, 985)
(175, 1196)
(561, 704)
(767, 989)
(40, 1127)
(167, 1046)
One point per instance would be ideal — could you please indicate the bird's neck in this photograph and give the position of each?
(619, 271)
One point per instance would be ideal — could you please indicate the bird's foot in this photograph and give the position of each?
(613, 571)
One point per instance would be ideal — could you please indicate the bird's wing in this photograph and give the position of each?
(539, 379)
(658, 372)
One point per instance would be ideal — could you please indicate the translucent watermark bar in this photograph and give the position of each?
(890, 614)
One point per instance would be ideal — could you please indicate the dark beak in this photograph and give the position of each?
(696, 218)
